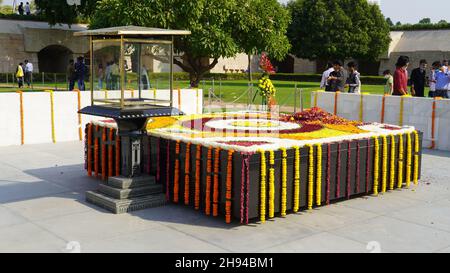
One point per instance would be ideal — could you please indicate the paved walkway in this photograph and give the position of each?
(42, 209)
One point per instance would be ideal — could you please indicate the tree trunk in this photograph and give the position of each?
(196, 68)
(250, 80)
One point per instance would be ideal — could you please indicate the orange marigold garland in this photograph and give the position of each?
(229, 186)
(208, 182)
(176, 177)
(96, 152)
(187, 173)
(89, 150)
(110, 153)
(216, 183)
(197, 176)
(22, 126)
(104, 153)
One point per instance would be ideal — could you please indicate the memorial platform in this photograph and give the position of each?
(248, 166)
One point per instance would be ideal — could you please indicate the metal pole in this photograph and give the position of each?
(91, 56)
(220, 88)
(301, 99)
(54, 78)
(171, 74)
(295, 98)
(122, 72)
(7, 76)
(43, 81)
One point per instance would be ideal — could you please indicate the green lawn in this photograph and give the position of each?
(233, 91)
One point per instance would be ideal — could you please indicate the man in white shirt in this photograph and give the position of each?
(325, 75)
(27, 9)
(28, 72)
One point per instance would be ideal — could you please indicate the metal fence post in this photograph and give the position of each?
(56, 84)
(43, 81)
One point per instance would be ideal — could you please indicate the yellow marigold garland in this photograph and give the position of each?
(311, 177)
(416, 158)
(319, 176)
(271, 184)
(376, 170)
(283, 182)
(392, 173)
(297, 179)
(408, 159)
(400, 162)
(263, 187)
(385, 165)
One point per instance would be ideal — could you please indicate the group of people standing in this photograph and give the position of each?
(77, 72)
(336, 78)
(24, 73)
(438, 79)
(24, 9)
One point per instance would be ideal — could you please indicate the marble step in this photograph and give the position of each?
(131, 192)
(121, 182)
(125, 205)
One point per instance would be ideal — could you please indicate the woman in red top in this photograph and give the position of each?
(401, 77)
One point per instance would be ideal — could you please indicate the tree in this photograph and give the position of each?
(442, 22)
(389, 22)
(340, 29)
(60, 12)
(425, 21)
(260, 26)
(398, 24)
(213, 24)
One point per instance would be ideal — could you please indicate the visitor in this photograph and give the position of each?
(389, 86)
(20, 75)
(145, 82)
(80, 72)
(71, 77)
(337, 78)
(354, 79)
(21, 10)
(115, 75)
(325, 75)
(432, 79)
(418, 79)
(445, 65)
(442, 83)
(401, 76)
(108, 75)
(27, 9)
(100, 76)
(28, 73)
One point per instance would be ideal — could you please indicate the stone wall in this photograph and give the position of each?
(13, 52)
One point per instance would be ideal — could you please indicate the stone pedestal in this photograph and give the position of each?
(123, 194)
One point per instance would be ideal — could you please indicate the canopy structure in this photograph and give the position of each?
(129, 59)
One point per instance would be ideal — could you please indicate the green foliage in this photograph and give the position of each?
(220, 28)
(327, 29)
(260, 26)
(440, 25)
(425, 21)
(60, 12)
(389, 22)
